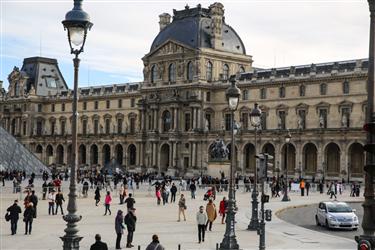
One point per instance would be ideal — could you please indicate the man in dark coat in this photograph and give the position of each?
(173, 193)
(59, 199)
(130, 221)
(34, 199)
(130, 202)
(98, 245)
(14, 212)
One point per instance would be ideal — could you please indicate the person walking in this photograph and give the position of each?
(107, 203)
(121, 194)
(130, 221)
(201, 221)
(34, 200)
(155, 244)
(28, 217)
(302, 187)
(211, 213)
(130, 202)
(51, 202)
(223, 209)
(332, 191)
(307, 186)
(119, 227)
(14, 212)
(97, 196)
(98, 245)
(158, 195)
(59, 199)
(173, 193)
(181, 207)
(193, 188)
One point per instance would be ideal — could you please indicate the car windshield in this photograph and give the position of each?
(339, 208)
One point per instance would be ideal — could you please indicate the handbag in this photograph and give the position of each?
(7, 216)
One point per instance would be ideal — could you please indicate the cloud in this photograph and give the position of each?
(276, 33)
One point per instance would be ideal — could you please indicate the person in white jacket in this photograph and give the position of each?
(201, 221)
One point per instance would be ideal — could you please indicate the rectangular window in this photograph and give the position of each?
(96, 127)
(208, 122)
(245, 95)
(132, 102)
(96, 105)
(84, 105)
(228, 122)
(119, 126)
(24, 127)
(62, 128)
(52, 107)
(187, 121)
(107, 126)
(263, 93)
(108, 104)
(52, 128)
(84, 127)
(39, 128)
(119, 103)
(132, 125)
(208, 96)
(39, 107)
(245, 120)
(63, 107)
(282, 117)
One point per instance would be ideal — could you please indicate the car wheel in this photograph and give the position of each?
(317, 220)
(327, 225)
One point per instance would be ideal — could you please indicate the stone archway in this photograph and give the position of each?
(132, 155)
(332, 159)
(310, 159)
(60, 154)
(94, 154)
(249, 158)
(288, 159)
(164, 157)
(356, 160)
(49, 155)
(106, 154)
(119, 154)
(82, 154)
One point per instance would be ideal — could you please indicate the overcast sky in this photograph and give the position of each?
(276, 33)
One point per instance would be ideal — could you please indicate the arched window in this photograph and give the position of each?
(323, 89)
(154, 73)
(209, 71)
(172, 73)
(345, 87)
(166, 121)
(225, 72)
(190, 71)
(282, 92)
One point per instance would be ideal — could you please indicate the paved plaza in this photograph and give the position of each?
(162, 220)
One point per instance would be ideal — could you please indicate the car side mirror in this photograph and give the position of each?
(354, 210)
(322, 210)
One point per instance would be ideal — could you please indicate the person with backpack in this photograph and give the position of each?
(155, 244)
(13, 216)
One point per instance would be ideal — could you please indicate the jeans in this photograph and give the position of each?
(173, 197)
(57, 208)
(51, 207)
(209, 223)
(130, 237)
(13, 226)
(118, 240)
(28, 226)
(107, 209)
(193, 194)
(201, 231)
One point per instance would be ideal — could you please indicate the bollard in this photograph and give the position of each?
(217, 246)
(179, 246)
(139, 247)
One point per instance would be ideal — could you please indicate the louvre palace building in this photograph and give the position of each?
(168, 122)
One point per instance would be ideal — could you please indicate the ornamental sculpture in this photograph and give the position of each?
(218, 150)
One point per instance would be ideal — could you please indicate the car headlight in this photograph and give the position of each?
(332, 218)
(355, 218)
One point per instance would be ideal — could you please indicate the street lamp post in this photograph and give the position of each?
(77, 23)
(367, 240)
(287, 141)
(255, 119)
(229, 241)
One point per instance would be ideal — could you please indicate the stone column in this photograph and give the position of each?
(88, 158)
(199, 118)
(141, 154)
(174, 154)
(193, 155)
(65, 158)
(154, 154)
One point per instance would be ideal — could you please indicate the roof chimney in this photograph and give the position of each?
(164, 20)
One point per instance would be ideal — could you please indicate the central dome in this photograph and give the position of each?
(195, 28)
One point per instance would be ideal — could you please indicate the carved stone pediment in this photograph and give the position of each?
(170, 47)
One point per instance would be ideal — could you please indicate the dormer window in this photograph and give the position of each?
(51, 82)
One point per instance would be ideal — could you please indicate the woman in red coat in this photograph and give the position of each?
(223, 209)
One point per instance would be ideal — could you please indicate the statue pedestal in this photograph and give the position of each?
(215, 168)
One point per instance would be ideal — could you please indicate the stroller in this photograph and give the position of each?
(208, 195)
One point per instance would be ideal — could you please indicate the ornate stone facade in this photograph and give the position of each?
(168, 122)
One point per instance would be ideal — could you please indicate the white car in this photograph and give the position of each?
(336, 215)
